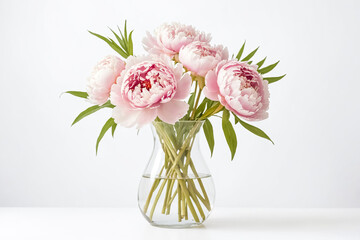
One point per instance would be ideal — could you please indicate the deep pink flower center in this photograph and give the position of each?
(149, 83)
(144, 78)
(247, 74)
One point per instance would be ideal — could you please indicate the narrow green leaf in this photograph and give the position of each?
(106, 127)
(268, 68)
(250, 55)
(111, 43)
(229, 133)
(215, 107)
(91, 110)
(121, 42)
(113, 127)
(274, 79)
(210, 103)
(200, 109)
(209, 134)
(131, 50)
(236, 119)
(99, 36)
(261, 63)
(122, 36)
(125, 31)
(249, 62)
(118, 49)
(78, 94)
(191, 101)
(238, 56)
(86, 112)
(253, 129)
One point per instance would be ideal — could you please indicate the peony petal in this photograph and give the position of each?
(146, 116)
(172, 111)
(211, 82)
(178, 71)
(211, 89)
(126, 117)
(183, 87)
(210, 95)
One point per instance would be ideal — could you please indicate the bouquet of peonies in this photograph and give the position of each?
(184, 78)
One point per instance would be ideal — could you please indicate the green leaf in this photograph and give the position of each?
(261, 63)
(91, 110)
(86, 112)
(268, 68)
(78, 94)
(191, 101)
(131, 44)
(125, 31)
(209, 134)
(215, 107)
(253, 129)
(119, 49)
(122, 36)
(229, 133)
(236, 118)
(238, 56)
(111, 43)
(250, 55)
(274, 79)
(106, 127)
(121, 42)
(113, 127)
(249, 62)
(200, 109)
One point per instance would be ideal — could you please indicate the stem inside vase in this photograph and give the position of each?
(178, 180)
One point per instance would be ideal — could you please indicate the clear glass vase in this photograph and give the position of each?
(176, 189)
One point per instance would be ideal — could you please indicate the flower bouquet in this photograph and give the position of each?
(178, 87)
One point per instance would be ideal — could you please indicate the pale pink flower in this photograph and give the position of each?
(150, 87)
(201, 57)
(169, 38)
(240, 88)
(102, 78)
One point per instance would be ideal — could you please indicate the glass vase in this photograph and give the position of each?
(176, 189)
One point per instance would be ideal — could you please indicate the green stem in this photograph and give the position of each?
(196, 201)
(196, 104)
(179, 202)
(153, 188)
(170, 202)
(177, 169)
(201, 184)
(157, 198)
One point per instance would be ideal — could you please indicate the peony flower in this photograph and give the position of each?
(201, 57)
(240, 88)
(102, 78)
(150, 87)
(169, 38)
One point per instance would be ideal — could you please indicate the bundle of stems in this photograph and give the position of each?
(177, 177)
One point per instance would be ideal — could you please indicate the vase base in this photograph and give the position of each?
(178, 225)
(163, 222)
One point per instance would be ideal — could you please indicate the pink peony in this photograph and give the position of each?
(102, 78)
(150, 87)
(240, 88)
(169, 38)
(201, 57)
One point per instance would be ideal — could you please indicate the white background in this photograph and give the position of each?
(314, 112)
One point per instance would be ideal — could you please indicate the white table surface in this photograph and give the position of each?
(127, 224)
